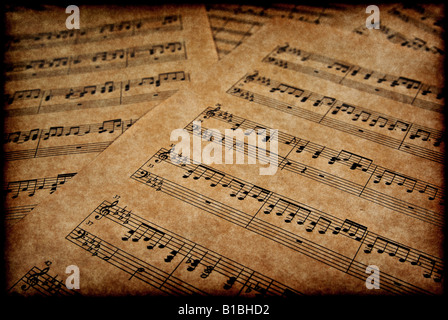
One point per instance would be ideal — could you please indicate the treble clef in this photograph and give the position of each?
(162, 156)
(251, 77)
(211, 113)
(106, 210)
(283, 49)
(34, 279)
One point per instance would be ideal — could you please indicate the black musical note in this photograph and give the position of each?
(359, 77)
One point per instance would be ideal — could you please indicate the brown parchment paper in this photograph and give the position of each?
(418, 27)
(131, 59)
(133, 179)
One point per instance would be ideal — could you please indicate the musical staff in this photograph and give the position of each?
(39, 137)
(109, 126)
(100, 95)
(336, 187)
(31, 186)
(368, 191)
(224, 36)
(433, 27)
(402, 40)
(183, 255)
(257, 224)
(40, 152)
(293, 12)
(302, 214)
(380, 128)
(39, 282)
(18, 212)
(130, 264)
(121, 29)
(397, 88)
(232, 25)
(97, 61)
(340, 157)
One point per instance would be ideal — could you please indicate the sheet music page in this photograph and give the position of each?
(70, 93)
(307, 162)
(416, 28)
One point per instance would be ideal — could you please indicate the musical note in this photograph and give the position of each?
(302, 146)
(137, 271)
(356, 161)
(317, 153)
(359, 76)
(60, 180)
(353, 229)
(163, 173)
(24, 95)
(390, 177)
(229, 283)
(109, 31)
(363, 115)
(420, 133)
(93, 62)
(53, 132)
(238, 187)
(22, 186)
(322, 221)
(431, 191)
(339, 67)
(426, 263)
(171, 256)
(110, 126)
(193, 263)
(391, 248)
(339, 116)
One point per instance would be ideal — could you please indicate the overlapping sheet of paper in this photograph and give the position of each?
(358, 182)
(418, 28)
(70, 93)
